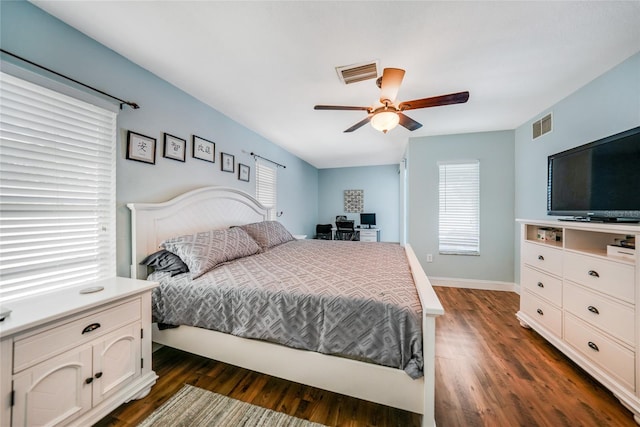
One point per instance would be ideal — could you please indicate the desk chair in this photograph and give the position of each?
(323, 232)
(345, 230)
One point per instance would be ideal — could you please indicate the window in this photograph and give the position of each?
(459, 208)
(266, 186)
(57, 190)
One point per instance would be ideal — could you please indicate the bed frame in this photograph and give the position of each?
(219, 207)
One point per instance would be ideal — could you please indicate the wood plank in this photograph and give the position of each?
(489, 372)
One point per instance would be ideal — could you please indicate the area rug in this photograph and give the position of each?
(195, 407)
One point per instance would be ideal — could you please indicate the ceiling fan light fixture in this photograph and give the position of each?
(384, 121)
(388, 113)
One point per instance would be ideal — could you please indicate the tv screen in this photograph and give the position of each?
(599, 180)
(367, 219)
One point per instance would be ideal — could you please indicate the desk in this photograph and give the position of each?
(369, 234)
(363, 234)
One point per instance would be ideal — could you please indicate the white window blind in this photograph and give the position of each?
(266, 186)
(459, 208)
(57, 190)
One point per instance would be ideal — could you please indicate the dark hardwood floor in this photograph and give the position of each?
(490, 372)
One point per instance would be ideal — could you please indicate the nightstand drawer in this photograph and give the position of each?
(543, 285)
(541, 311)
(543, 257)
(32, 348)
(611, 356)
(608, 315)
(609, 277)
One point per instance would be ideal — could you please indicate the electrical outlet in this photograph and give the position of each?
(429, 258)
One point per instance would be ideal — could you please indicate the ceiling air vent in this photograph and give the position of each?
(358, 72)
(542, 126)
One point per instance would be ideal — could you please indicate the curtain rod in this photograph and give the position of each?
(122, 102)
(268, 160)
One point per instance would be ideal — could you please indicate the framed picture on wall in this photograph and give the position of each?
(141, 148)
(243, 172)
(353, 201)
(204, 149)
(174, 148)
(228, 162)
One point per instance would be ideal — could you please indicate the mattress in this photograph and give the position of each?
(350, 299)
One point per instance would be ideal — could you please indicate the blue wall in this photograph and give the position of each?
(495, 151)
(30, 32)
(381, 185)
(606, 106)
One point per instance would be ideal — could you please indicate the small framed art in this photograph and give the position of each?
(243, 172)
(141, 148)
(174, 147)
(228, 162)
(204, 149)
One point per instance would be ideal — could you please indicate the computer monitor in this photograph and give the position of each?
(367, 220)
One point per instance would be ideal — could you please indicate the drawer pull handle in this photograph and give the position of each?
(89, 380)
(540, 257)
(540, 312)
(540, 285)
(593, 346)
(98, 375)
(593, 273)
(91, 327)
(593, 309)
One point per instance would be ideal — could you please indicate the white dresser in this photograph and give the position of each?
(584, 301)
(70, 358)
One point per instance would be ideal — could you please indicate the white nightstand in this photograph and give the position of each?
(94, 349)
(300, 236)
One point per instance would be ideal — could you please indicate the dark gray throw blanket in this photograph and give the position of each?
(352, 299)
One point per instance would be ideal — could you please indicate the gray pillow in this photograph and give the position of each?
(268, 233)
(163, 260)
(203, 251)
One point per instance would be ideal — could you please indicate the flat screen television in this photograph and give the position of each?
(598, 181)
(367, 220)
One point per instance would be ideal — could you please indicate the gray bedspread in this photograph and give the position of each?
(352, 299)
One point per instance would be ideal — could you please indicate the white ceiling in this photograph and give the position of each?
(266, 64)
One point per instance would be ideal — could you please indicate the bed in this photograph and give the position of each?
(220, 208)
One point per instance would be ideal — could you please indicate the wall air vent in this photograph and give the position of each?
(358, 72)
(542, 126)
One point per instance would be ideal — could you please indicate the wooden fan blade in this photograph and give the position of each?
(360, 123)
(435, 101)
(408, 122)
(390, 84)
(340, 107)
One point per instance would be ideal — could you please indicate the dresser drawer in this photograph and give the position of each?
(543, 257)
(543, 285)
(609, 277)
(35, 347)
(611, 356)
(608, 315)
(543, 312)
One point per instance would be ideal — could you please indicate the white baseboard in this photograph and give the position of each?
(487, 285)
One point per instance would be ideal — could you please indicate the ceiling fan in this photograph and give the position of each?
(387, 115)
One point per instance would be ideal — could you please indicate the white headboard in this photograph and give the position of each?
(203, 209)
